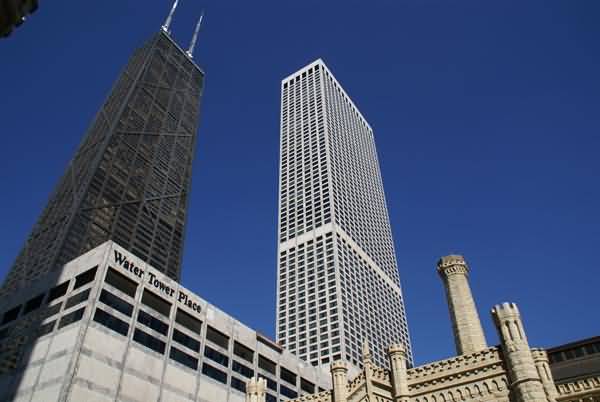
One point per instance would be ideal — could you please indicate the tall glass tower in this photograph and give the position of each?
(130, 178)
(338, 283)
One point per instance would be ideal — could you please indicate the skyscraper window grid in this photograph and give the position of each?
(328, 302)
(130, 177)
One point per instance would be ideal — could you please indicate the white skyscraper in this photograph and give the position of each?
(338, 282)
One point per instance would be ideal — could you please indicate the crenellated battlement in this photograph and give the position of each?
(510, 327)
(505, 311)
(380, 375)
(539, 355)
(396, 348)
(324, 396)
(356, 383)
(576, 390)
(338, 365)
(452, 264)
(463, 365)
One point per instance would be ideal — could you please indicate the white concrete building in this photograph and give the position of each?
(338, 281)
(110, 327)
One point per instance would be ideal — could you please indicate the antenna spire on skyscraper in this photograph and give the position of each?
(190, 51)
(167, 23)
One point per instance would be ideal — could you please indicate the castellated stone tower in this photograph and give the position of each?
(542, 364)
(398, 373)
(524, 379)
(468, 333)
(339, 379)
(256, 390)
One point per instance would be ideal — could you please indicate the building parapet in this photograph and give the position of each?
(577, 390)
(463, 365)
(356, 383)
(324, 396)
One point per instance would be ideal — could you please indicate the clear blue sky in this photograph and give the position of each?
(486, 117)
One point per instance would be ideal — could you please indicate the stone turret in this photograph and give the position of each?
(468, 332)
(542, 364)
(525, 383)
(398, 373)
(256, 390)
(367, 356)
(339, 380)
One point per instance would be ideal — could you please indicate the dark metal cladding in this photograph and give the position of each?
(130, 178)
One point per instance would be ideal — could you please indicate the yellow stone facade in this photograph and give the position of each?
(509, 372)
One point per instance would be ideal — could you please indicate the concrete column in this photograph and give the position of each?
(339, 379)
(468, 333)
(542, 364)
(256, 390)
(525, 382)
(398, 374)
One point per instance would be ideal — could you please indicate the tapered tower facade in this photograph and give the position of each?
(129, 180)
(338, 283)
(468, 332)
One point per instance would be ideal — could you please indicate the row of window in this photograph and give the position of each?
(186, 349)
(372, 309)
(178, 355)
(303, 161)
(574, 353)
(46, 298)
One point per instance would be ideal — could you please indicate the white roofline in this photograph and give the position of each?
(321, 63)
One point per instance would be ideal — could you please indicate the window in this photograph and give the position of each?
(270, 398)
(149, 341)
(242, 369)
(216, 356)
(285, 391)
(151, 322)
(121, 282)
(556, 357)
(11, 315)
(267, 365)
(46, 329)
(85, 277)
(78, 298)
(33, 304)
(156, 303)
(111, 322)
(186, 320)
(214, 373)
(269, 343)
(238, 384)
(183, 358)
(58, 291)
(287, 375)
(307, 386)
(186, 340)
(243, 352)
(116, 302)
(71, 318)
(54, 309)
(217, 337)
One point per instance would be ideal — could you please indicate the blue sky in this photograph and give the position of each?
(485, 117)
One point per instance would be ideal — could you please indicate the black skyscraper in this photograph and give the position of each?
(130, 178)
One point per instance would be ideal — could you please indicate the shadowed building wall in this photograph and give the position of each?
(130, 178)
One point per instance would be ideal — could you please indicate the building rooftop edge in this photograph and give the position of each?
(191, 59)
(321, 63)
(573, 344)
